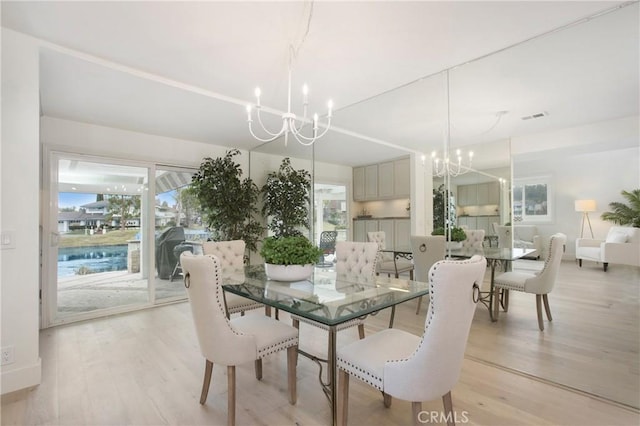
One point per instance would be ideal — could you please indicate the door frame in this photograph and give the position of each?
(50, 237)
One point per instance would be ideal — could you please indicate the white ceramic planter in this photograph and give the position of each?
(288, 272)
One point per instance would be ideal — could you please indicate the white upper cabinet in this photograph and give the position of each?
(384, 181)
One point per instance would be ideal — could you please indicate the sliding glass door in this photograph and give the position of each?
(112, 232)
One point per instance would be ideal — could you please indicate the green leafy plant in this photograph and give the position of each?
(294, 250)
(457, 234)
(228, 202)
(623, 214)
(287, 200)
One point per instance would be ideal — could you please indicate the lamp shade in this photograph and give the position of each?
(585, 205)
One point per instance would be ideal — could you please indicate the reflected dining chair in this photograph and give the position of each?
(426, 250)
(236, 341)
(474, 240)
(538, 283)
(387, 263)
(419, 368)
(355, 262)
(231, 257)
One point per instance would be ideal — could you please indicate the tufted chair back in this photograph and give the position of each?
(542, 283)
(356, 261)
(475, 238)
(230, 254)
(380, 238)
(219, 342)
(433, 369)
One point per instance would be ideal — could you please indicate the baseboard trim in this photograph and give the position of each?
(21, 378)
(556, 384)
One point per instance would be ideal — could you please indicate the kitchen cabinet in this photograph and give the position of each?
(384, 181)
(479, 222)
(397, 232)
(481, 194)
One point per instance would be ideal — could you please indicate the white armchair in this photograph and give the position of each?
(622, 246)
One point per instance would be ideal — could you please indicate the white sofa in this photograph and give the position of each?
(622, 246)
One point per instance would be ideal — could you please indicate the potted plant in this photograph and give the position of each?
(227, 201)
(624, 214)
(287, 200)
(454, 240)
(289, 258)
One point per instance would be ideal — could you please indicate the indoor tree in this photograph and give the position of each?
(286, 196)
(227, 201)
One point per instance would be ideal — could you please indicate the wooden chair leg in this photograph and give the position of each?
(419, 304)
(448, 409)
(343, 397)
(605, 265)
(580, 263)
(295, 323)
(292, 362)
(208, 368)
(545, 299)
(539, 310)
(361, 331)
(258, 368)
(416, 408)
(505, 299)
(231, 397)
(386, 399)
(496, 303)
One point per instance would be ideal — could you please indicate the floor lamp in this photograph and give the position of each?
(585, 206)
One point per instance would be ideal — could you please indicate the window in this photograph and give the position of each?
(532, 199)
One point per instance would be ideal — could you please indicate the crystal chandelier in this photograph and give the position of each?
(289, 119)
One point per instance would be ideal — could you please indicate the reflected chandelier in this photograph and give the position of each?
(289, 125)
(446, 167)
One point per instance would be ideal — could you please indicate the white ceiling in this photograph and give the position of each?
(187, 69)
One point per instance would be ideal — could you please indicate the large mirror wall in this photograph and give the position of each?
(497, 106)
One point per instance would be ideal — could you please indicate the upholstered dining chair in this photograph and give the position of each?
(232, 342)
(426, 250)
(539, 283)
(355, 262)
(419, 368)
(386, 262)
(474, 240)
(231, 257)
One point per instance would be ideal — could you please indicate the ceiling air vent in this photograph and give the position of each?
(536, 115)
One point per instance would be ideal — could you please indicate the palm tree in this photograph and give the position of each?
(623, 214)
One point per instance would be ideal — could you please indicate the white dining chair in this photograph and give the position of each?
(355, 262)
(538, 283)
(231, 256)
(387, 263)
(236, 341)
(419, 368)
(426, 250)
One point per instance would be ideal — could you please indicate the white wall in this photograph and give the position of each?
(577, 174)
(20, 210)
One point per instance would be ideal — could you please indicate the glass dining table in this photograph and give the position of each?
(326, 300)
(495, 257)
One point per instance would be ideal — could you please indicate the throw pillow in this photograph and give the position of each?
(617, 237)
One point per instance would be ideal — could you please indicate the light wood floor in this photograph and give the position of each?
(144, 368)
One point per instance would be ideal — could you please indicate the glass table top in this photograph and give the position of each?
(323, 297)
(492, 253)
